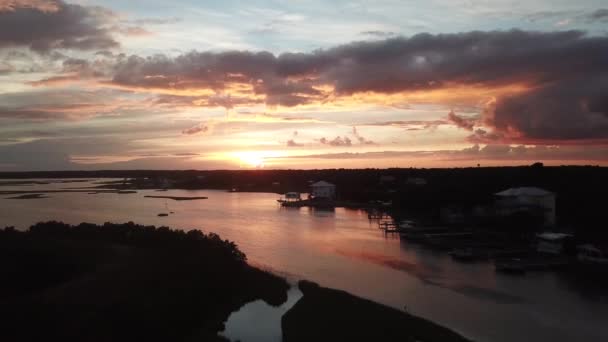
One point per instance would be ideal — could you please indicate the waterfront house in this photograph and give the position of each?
(323, 190)
(527, 200)
(552, 243)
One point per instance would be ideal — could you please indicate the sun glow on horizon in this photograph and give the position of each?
(255, 159)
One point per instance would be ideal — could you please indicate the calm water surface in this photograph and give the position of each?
(342, 249)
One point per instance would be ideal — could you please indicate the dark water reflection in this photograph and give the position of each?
(341, 249)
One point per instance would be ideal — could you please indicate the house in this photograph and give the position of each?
(552, 243)
(529, 200)
(324, 190)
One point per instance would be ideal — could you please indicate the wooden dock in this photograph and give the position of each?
(389, 227)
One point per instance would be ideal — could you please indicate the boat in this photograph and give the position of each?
(162, 215)
(291, 199)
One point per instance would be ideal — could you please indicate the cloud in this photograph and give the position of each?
(337, 141)
(56, 105)
(563, 111)
(292, 143)
(41, 5)
(362, 139)
(599, 15)
(475, 153)
(536, 98)
(134, 31)
(378, 33)
(462, 122)
(46, 25)
(156, 21)
(196, 129)
(412, 125)
(423, 62)
(548, 15)
(48, 156)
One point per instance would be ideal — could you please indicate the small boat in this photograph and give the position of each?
(163, 214)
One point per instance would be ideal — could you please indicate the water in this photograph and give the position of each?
(246, 325)
(342, 249)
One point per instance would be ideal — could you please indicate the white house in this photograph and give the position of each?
(323, 189)
(527, 199)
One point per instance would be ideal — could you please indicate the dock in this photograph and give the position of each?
(323, 204)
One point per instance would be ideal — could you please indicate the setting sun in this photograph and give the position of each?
(250, 159)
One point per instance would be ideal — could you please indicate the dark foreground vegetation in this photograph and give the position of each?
(324, 314)
(123, 282)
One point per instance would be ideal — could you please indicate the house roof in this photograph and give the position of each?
(321, 184)
(524, 191)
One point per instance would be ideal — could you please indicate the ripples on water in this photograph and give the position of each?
(342, 249)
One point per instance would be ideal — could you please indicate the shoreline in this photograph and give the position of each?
(325, 314)
(116, 279)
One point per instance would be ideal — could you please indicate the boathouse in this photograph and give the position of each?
(526, 200)
(323, 190)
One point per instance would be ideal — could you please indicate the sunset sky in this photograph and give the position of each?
(226, 84)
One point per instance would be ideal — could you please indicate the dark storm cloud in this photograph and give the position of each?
(46, 25)
(566, 73)
(574, 110)
(556, 59)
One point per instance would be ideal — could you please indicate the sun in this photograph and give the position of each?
(251, 159)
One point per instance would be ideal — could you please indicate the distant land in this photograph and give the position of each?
(580, 190)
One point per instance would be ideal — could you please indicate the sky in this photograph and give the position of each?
(184, 84)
